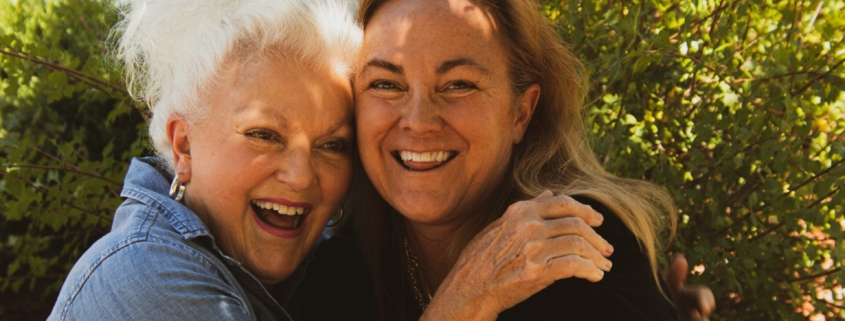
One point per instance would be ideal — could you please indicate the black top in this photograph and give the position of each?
(337, 286)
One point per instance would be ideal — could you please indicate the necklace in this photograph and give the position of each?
(413, 272)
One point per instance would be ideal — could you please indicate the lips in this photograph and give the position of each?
(279, 216)
(422, 161)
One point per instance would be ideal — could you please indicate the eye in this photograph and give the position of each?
(262, 135)
(336, 146)
(460, 85)
(383, 85)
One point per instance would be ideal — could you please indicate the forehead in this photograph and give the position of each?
(275, 86)
(447, 27)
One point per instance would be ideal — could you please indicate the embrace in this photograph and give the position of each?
(442, 142)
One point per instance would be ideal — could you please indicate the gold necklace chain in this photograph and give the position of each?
(413, 271)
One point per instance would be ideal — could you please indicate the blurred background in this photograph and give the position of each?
(737, 108)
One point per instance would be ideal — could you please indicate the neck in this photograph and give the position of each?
(437, 248)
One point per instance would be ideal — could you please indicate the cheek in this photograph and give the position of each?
(485, 125)
(374, 118)
(367, 112)
(335, 178)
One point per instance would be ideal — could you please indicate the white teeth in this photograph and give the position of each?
(440, 156)
(279, 208)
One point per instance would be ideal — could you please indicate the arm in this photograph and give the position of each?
(152, 281)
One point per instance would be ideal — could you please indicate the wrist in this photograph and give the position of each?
(448, 306)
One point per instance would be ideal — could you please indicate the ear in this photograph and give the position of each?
(525, 109)
(177, 134)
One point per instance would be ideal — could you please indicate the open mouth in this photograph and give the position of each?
(413, 161)
(278, 215)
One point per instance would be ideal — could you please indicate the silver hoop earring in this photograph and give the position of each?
(337, 217)
(177, 191)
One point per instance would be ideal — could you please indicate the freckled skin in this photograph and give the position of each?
(275, 130)
(469, 108)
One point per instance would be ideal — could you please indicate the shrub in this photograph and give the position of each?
(69, 130)
(738, 109)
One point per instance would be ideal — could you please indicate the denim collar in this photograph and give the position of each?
(148, 182)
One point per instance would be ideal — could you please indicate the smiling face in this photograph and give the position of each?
(270, 163)
(437, 115)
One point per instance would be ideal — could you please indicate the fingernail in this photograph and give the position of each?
(601, 274)
(608, 249)
(599, 216)
(608, 264)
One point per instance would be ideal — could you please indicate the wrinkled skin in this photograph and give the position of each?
(535, 243)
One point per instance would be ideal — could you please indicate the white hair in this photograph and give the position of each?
(173, 49)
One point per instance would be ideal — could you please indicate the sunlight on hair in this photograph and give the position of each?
(173, 50)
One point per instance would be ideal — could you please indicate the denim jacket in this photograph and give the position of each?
(159, 262)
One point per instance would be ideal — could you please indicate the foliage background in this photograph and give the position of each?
(736, 107)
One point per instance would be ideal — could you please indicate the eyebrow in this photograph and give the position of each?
(346, 122)
(349, 121)
(452, 64)
(386, 65)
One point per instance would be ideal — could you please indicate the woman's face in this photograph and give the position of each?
(271, 162)
(436, 113)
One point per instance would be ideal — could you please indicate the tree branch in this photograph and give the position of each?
(88, 79)
(779, 225)
(811, 179)
(816, 78)
(810, 277)
(73, 170)
(71, 72)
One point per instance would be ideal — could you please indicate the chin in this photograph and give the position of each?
(277, 274)
(424, 215)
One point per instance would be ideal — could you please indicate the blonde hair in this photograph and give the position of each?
(554, 154)
(173, 50)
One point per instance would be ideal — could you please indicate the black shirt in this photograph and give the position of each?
(337, 285)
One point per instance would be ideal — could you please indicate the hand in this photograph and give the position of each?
(694, 303)
(535, 243)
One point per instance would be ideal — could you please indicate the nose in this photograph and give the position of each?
(421, 115)
(296, 170)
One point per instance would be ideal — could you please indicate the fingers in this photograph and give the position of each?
(544, 194)
(678, 271)
(551, 207)
(563, 267)
(576, 226)
(698, 301)
(568, 245)
(706, 301)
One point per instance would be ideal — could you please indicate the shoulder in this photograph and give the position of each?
(627, 292)
(614, 231)
(153, 278)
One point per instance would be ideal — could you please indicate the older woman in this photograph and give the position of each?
(252, 118)
(465, 107)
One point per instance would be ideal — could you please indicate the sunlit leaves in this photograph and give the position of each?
(68, 133)
(737, 108)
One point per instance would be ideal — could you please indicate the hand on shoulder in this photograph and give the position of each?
(535, 243)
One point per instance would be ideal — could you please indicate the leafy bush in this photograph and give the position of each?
(69, 130)
(736, 107)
